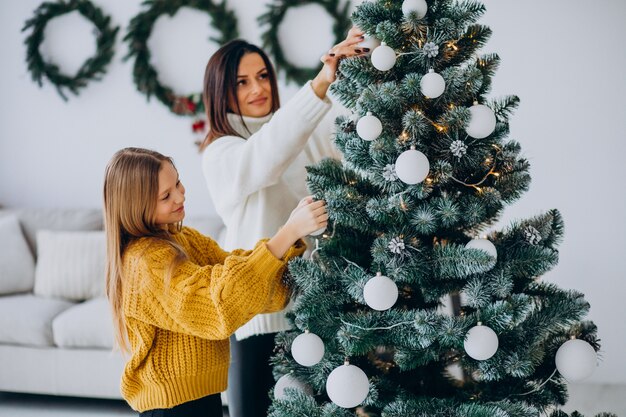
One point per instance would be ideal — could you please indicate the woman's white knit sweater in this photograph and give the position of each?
(256, 180)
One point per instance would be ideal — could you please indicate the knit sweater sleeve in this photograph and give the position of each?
(209, 301)
(206, 251)
(235, 167)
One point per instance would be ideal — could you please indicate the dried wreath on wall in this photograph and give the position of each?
(274, 17)
(92, 69)
(145, 75)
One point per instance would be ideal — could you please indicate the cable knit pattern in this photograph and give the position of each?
(255, 180)
(178, 330)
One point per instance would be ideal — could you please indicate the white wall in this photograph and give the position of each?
(564, 58)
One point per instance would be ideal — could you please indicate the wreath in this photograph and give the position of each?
(145, 75)
(274, 17)
(92, 69)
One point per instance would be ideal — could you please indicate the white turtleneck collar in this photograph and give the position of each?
(253, 124)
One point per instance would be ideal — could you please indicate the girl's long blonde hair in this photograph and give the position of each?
(131, 186)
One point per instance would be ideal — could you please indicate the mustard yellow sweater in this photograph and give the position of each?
(178, 330)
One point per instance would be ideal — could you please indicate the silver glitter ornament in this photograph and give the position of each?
(396, 245)
(431, 49)
(532, 235)
(458, 148)
(389, 172)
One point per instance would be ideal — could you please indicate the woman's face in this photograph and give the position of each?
(169, 207)
(254, 91)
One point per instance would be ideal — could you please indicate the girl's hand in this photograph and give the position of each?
(303, 202)
(346, 48)
(307, 217)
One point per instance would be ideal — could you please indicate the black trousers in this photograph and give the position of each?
(250, 376)
(209, 406)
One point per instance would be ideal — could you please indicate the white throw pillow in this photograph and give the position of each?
(70, 265)
(85, 325)
(27, 320)
(17, 267)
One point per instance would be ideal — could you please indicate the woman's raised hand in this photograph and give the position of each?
(344, 49)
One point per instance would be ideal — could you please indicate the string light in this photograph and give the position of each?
(492, 171)
(403, 205)
(439, 127)
(378, 328)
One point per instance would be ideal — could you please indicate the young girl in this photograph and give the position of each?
(254, 160)
(176, 296)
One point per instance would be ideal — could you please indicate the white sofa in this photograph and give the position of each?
(56, 335)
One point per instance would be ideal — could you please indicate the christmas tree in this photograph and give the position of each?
(404, 308)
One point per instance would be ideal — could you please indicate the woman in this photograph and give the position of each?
(254, 160)
(176, 296)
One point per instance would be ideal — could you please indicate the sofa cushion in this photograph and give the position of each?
(27, 320)
(70, 264)
(85, 325)
(34, 219)
(17, 267)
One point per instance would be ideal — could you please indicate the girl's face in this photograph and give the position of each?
(254, 91)
(169, 207)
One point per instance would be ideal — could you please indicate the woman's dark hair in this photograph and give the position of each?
(220, 87)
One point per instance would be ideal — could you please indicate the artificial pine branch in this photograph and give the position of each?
(414, 353)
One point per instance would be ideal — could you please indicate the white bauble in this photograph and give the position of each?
(412, 166)
(432, 84)
(370, 42)
(369, 127)
(481, 343)
(418, 6)
(288, 381)
(347, 386)
(576, 360)
(482, 121)
(307, 349)
(483, 244)
(380, 292)
(383, 58)
(318, 232)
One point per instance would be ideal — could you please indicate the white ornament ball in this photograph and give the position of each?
(483, 244)
(347, 386)
(288, 381)
(481, 343)
(412, 166)
(369, 127)
(370, 42)
(318, 232)
(380, 292)
(307, 349)
(432, 84)
(482, 121)
(576, 360)
(383, 58)
(418, 6)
